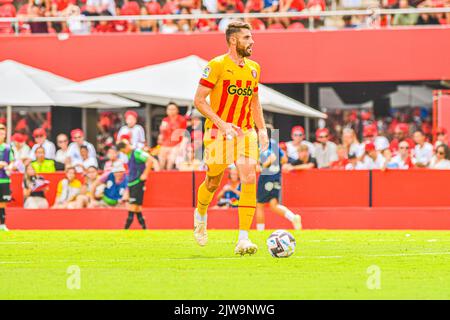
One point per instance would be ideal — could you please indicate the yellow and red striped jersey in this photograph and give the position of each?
(233, 88)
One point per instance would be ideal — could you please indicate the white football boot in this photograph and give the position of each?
(3, 227)
(200, 233)
(245, 246)
(297, 222)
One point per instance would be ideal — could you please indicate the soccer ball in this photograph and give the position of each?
(281, 244)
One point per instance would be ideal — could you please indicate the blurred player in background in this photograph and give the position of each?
(6, 160)
(269, 186)
(231, 81)
(139, 165)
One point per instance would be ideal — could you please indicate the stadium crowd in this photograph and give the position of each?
(74, 9)
(354, 140)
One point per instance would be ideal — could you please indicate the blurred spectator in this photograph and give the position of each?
(304, 161)
(87, 192)
(205, 25)
(348, 22)
(228, 196)
(426, 18)
(441, 160)
(133, 130)
(147, 25)
(342, 160)
(354, 163)
(351, 143)
(238, 5)
(370, 133)
(224, 22)
(298, 138)
(254, 6)
(402, 160)
(290, 6)
(100, 8)
(85, 162)
(41, 164)
(423, 151)
(115, 188)
(62, 154)
(441, 137)
(190, 163)
(67, 190)
(168, 26)
(34, 188)
(372, 158)
(408, 19)
(112, 156)
(401, 133)
(172, 129)
(74, 147)
(40, 140)
(39, 8)
(74, 23)
(185, 25)
(324, 150)
(21, 151)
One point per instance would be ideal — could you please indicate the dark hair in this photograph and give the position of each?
(84, 147)
(121, 145)
(235, 27)
(40, 147)
(446, 151)
(173, 103)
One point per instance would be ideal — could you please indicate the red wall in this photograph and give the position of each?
(314, 188)
(285, 56)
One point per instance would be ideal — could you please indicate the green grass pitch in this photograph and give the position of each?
(169, 265)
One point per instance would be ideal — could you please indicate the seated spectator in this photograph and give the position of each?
(348, 22)
(40, 140)
(304, 160)
(224, 22)
(354, 163)
(324, 150)
(441, 137)
(147, 25)
(86, 161)
(372, 158)
(112, 156)
(229, 195)
(298, 138)
(21, 151)
(290, 6)
(405, 19)
(441, 159)
(254, 6)
(85, 197)
(67, 190)
(205, 25)
(100, 8)
(7, 10)
(185, 25)
(351, 143)
(74, 148)
(190, 163)
(401, 133)
(172, 129)
(34, 188)
(62, 154)
(400, 161)
(342, 160)
(370, 134)
(74, 23)
(42, 164)
(423, 151)
(35, 9)
(169, 26)
(115, 192)
(238, 5)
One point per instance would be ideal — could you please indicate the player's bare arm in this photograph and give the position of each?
(258, 117)
(227, 129)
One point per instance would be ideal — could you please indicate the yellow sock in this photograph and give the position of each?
(247, 206)
(204, 198)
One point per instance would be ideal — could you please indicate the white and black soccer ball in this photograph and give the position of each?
(281, 244)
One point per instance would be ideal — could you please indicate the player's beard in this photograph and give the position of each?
(242, 50)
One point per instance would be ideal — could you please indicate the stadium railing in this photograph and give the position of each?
(372, 13)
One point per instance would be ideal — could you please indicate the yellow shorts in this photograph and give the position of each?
(220, 152)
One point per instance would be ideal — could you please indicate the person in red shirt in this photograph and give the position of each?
(342, 160)
(172, 130)
(401, 133)
(290, 6)
(238, 4)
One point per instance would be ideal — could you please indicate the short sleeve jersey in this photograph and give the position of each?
(233, 88)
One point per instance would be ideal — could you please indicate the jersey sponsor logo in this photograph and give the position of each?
(230, 71)
(206, 72)
(233, 89)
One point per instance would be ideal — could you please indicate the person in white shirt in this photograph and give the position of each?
(402, 160)
(78, 141)
(423, 151)
(351, 143)
(370, 133)
(325, 151)
(40, 139)
(354, 163)
(441, 160)
(85, 162)
(372, 159)
(298, 138)
(132, 130)
(100, 7)
(21, 151)
(62, 154)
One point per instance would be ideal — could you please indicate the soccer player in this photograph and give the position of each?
(269, 186)
(231, 82)
(6, 160)
(139, 165)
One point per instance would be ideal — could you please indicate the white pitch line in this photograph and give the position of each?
(409, 254)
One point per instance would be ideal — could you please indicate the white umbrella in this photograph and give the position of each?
(177, 81)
